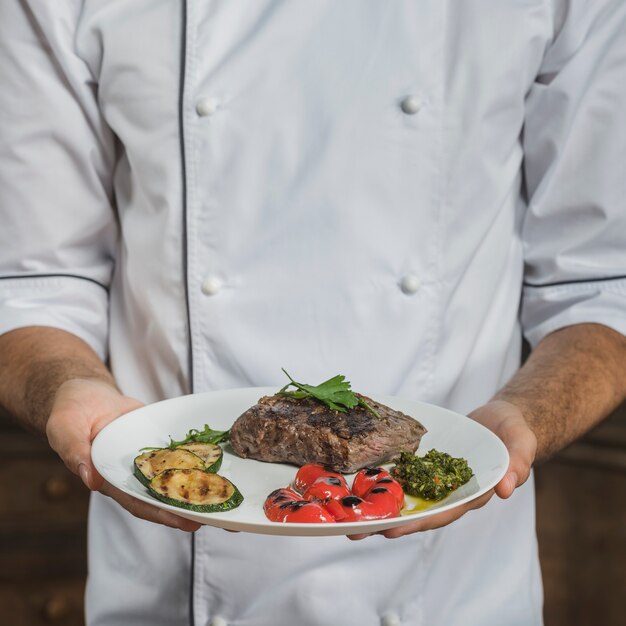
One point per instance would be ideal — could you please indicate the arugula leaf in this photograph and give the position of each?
(206, 435)
(335, 393)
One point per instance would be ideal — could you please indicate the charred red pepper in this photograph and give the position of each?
(371, 477)
(285, 505)
(366, 479)
(310, 472)
(327, 498)
(380, 503)
(327, 488)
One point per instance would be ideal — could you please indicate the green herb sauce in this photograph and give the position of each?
(431, 477)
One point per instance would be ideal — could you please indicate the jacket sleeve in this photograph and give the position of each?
(58, 230)
(575, 170)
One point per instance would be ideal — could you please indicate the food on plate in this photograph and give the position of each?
(205, 456)
(210, 453)
(327, 424)
(327, 488)
(310, 472)
(184, 473)
(195, 490)
(371, 477)
(379, 503)
(319, 495)
(431, 477)
(335, 393)
(206, 435)
(285, 505)
(149, 464)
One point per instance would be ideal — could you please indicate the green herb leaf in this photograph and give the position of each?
(206, 435)
(335, 393)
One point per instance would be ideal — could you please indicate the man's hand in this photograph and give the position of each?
(506, 421)
(81, 409)
(54, 384)
(573, 379)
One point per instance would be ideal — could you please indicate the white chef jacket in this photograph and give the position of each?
(206, 191)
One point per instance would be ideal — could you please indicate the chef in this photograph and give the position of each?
(197, 193)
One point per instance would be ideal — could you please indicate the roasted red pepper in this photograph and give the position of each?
(285, 505)
(310, 472)
(307, 513)
(327, 488)
(366, 479)
(326, 497)
(380, 504)
(276, 499)
(371, 477)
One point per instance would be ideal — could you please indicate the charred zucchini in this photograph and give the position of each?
(149, 464)
(195, 490)
(210, 453)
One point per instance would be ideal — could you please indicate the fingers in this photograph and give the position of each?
(429, 523)
(505, 488)
(507, 421)
(81, 409)
(438, 520)
(147, 512)
(521, 444)
(70, 439)
(90, 476)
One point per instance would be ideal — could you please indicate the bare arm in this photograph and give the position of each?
(573, 379)
(56, 386)
(34, 362)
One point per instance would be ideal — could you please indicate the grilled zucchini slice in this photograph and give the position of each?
(195, 490)
(149, 464)
(210, 453)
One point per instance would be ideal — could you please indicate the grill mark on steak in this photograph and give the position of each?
(288, 430)
(355, 422)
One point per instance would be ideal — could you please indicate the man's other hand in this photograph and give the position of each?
(81, 409)
(507, 421)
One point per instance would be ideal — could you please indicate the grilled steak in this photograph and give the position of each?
(285, 430)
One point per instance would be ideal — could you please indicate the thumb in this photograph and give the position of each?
(507, 421)
(90, 475)
(72, 442)
(521, 444)
(80, 410)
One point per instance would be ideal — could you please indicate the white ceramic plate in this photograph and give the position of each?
(117, 444)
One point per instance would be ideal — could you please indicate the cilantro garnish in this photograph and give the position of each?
(335, 393)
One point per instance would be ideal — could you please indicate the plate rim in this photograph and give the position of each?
(292, 528)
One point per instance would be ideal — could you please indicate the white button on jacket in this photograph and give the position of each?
(410, 284)
(390, 619)
(206, 106)
(211, 285)
(411, 105)
(116, 196)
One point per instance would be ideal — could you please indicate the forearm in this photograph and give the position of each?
(573, 379)
(34, 363)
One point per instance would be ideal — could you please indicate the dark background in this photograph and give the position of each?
(581, 519)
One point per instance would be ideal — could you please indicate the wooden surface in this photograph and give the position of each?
(42, 534)
(581, 526)
(581, 520)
